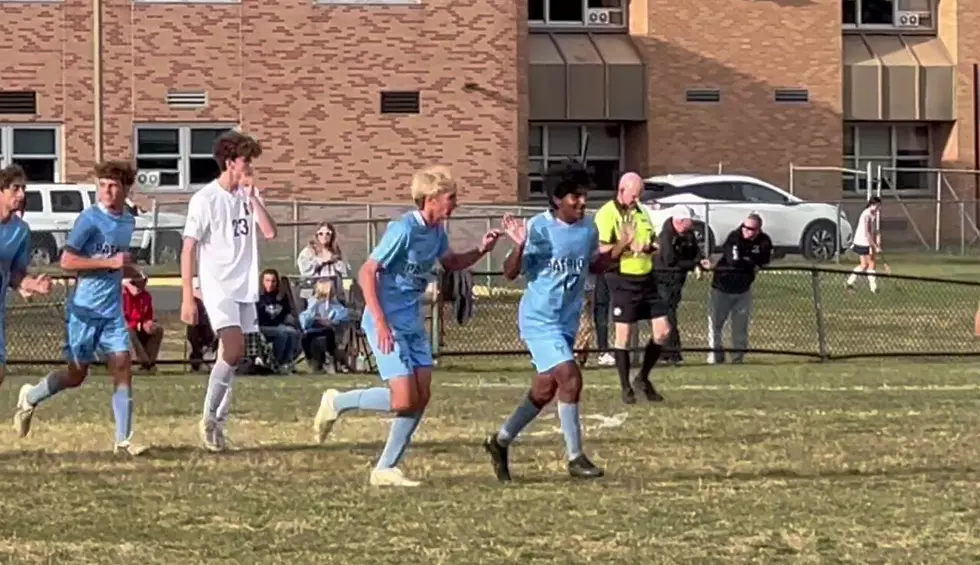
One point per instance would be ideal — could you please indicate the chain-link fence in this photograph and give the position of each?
(796, 311)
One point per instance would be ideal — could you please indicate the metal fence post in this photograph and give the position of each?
(295, 228)
(818, 312)
(154, 220)
(962, 228)
(368, 210)
(840, 217)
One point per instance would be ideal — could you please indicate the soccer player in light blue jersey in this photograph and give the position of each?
(394, 280)
(15, 249)
(555, 251)
(97, 251)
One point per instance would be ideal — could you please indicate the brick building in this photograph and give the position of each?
(348, 98)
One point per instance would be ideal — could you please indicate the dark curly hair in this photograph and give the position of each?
(232, 145)
(123, 172)
(11, 175)
(567, 177)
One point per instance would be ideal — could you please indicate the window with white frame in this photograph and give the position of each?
(902, 151)
(36, 148)
(549, 144)
(588, 13)
(182, 154)
(889, 14)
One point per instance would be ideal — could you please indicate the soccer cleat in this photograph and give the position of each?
(582, 468)
(130, 449)
(392, 477)
(24, 413)
(629, 397)
(607, 360)
(326, 415)
(648, 390)
(209, 437)
(498, 457)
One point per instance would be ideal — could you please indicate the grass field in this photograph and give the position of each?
(816, 463)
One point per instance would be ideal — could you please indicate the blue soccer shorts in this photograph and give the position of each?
(548, 350)
(411, 349)
(88, 335)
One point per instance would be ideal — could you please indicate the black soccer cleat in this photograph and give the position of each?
(648, 390)
(582, 468)
(498, 457)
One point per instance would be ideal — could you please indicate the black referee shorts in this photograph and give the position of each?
(635, 298)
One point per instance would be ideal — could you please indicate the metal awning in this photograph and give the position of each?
(585, 76)
(898, 78)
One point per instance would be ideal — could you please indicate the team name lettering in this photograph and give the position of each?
(566, 265)
(108, 250)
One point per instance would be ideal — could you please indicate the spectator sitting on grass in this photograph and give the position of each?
(320, 323)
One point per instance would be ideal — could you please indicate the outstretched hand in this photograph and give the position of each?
(515, 228)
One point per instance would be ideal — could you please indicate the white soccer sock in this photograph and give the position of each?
(218, 383)
(225, 407)
(872, 280)
(854, 275)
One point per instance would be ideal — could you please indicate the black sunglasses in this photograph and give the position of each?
(749, 228)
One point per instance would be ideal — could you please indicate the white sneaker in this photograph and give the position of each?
(326, 415)
(391, 478)
(207, 429)
(606, 360)
(131, 449)
(24, 413)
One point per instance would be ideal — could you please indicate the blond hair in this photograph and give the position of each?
(324, 290)
(432, 181)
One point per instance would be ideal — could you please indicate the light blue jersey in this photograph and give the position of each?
(556, 262)
(407, 255)
(99, 233)
(15, 253)
(95, 314)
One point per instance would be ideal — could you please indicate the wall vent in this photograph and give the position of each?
(400, 102)
(187, 99)
(796, 95)
(703, 95)
(18, 102)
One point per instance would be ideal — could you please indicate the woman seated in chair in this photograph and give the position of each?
(276, 323)
(321, 323)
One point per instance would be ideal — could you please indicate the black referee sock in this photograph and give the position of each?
(622, 357)
(650, 356)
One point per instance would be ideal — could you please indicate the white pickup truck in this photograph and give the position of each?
(51, 210)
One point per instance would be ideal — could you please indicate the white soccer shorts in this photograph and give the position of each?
(226, 313)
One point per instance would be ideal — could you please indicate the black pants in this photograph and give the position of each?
(200, 337)
(317, 344)
(600, 312)
(670, 287)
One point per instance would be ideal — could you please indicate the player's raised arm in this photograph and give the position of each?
(73, 259)
(262, 217)
(516, 230)
(452, 261)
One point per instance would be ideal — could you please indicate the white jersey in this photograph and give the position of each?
(861, 231)
(223, 224)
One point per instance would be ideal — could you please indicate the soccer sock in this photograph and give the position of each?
(399, 437)
(650, 356)
(48, 387)
(623, 367)
(872, 280)
(525, 413)
(854, 275)
(221, 415)
(122, 409)
(218, 382)
(571, 428)
(377, 399)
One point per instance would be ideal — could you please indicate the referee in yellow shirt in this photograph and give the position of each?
(632, 286)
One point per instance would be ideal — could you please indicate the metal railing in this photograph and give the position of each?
(804, 312)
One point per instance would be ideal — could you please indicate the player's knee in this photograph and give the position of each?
(542, 390)
(661, 331)
(74, 377)
(569, 380)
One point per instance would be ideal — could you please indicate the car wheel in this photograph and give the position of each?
(168, 248)
(819, 241)
(44, 251)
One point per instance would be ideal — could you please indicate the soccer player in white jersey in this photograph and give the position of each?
(221, 248)
(867, 244)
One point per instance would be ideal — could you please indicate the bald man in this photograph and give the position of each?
(633, 290)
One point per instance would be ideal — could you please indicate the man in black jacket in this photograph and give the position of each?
(745, 250)
(678, 254)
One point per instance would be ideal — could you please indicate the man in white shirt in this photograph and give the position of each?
(221, 248)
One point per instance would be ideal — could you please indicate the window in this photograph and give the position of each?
(758, 194)
(902, 152)
(889, 14)
(591, 13)
(33, 202)
(67, 201)
(34, 147)
(714, 191)
(550, 144)
(181, 154)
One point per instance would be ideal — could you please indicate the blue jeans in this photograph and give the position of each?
(284, 340)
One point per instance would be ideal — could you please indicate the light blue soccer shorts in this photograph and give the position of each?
(412, 349)
(550, 349)
(88, 335)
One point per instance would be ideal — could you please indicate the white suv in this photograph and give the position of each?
(51, 210)
(723, 201)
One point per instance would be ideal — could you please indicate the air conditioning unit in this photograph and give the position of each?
(148, 179)
(604, 17)
(913, 20)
